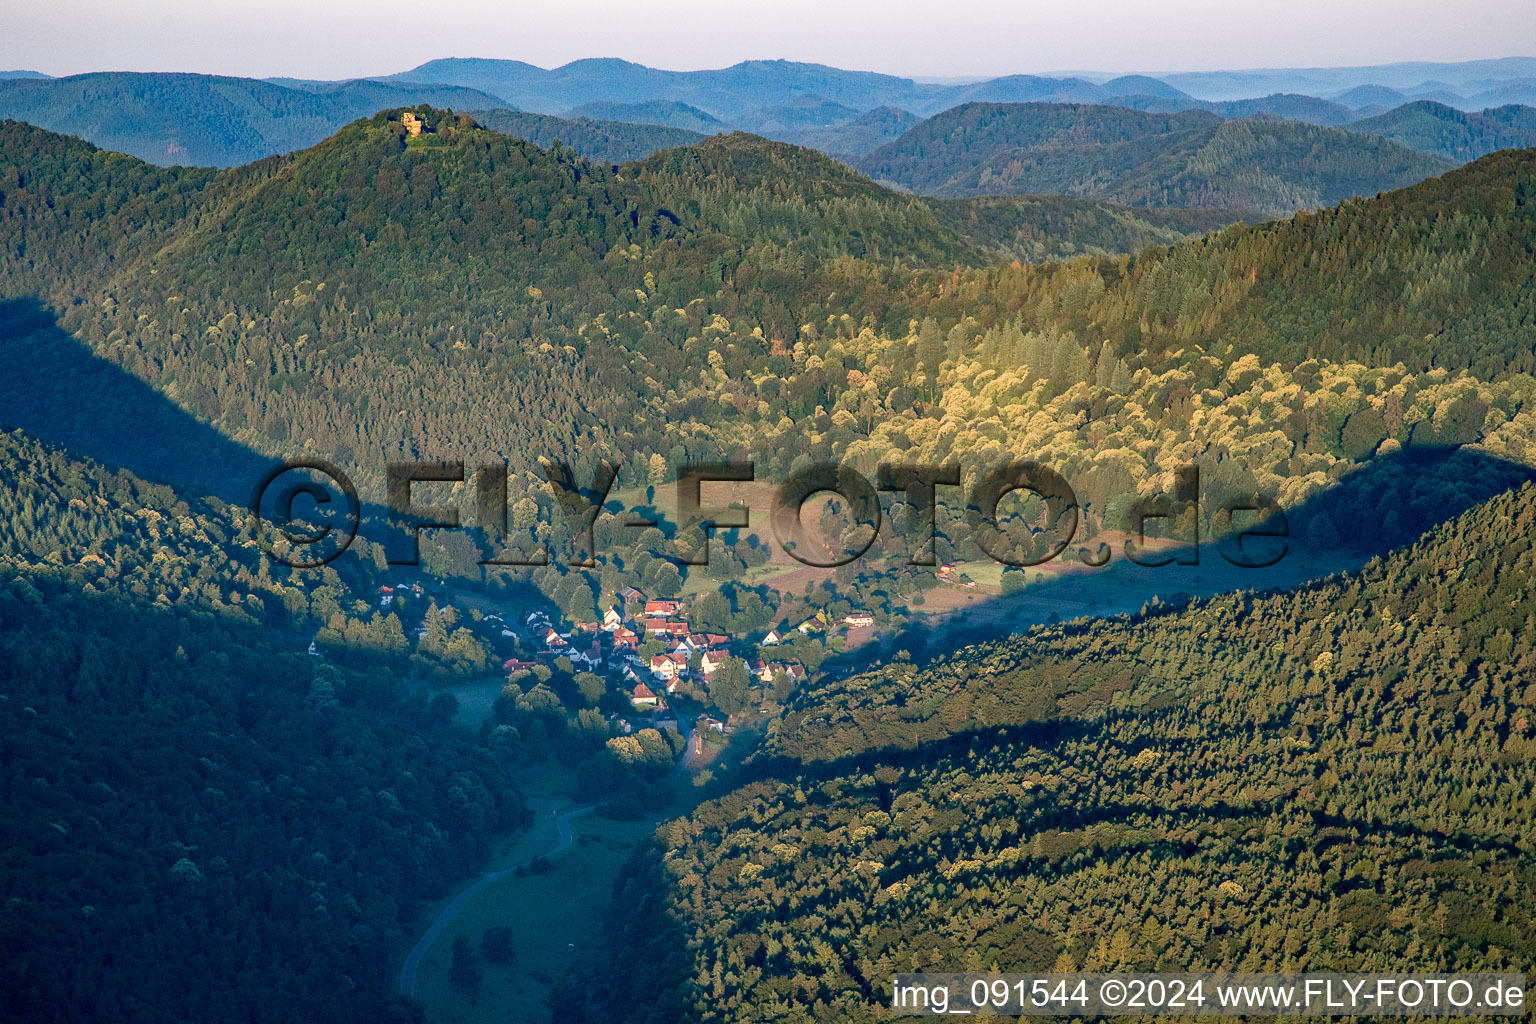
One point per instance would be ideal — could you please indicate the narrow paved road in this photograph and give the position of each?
(413, 960)
(691, 750)
(563, 840)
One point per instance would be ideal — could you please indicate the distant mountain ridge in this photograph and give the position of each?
(726, 93)
(668, 113)
(219, 121)
(1407, 76)
(729, 93)
(1291, 106)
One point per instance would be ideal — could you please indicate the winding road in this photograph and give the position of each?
(563, 840)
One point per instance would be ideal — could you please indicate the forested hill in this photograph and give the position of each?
(663, 113)
(183, 787)
(70, 212)
(458, 274)
(461, 273)
(748, 189)
(1291, 106)
(1454, 134)
(1333, 779)
(938, 156)
(1472, 565)
(853, 139)
(209, 120)
(1192, 159)
(1440, 274)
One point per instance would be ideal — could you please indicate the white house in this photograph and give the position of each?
(669, 666)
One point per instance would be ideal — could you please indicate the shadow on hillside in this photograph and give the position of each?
(56, 390)
(251, 694)
(640, 908)
(1421, 489)
(1055, 733)
(1384, 504)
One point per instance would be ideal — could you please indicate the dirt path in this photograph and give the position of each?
(440, 925)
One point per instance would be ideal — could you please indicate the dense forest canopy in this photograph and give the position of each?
(1136, 158)
(1113, 794)
(201, 820)
(1460, 135)
(383, 294)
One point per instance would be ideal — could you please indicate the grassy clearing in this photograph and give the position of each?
(556, 917)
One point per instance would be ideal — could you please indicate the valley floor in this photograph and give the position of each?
(556, 909)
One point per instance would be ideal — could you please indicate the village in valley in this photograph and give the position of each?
(580, 663)
(647, 648)
(643, 649)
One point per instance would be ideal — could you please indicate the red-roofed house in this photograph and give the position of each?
(669, 666)
(642, 696)
(710, 663)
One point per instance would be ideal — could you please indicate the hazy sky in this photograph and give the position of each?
(349, 38)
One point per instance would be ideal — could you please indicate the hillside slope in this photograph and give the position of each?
(1035, 229)
(1343, 782)
(602, 142)
(856, 137)
(744, 187)
(1192, 158)
(1454, 134)
(1441, 274)
(182, 781)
